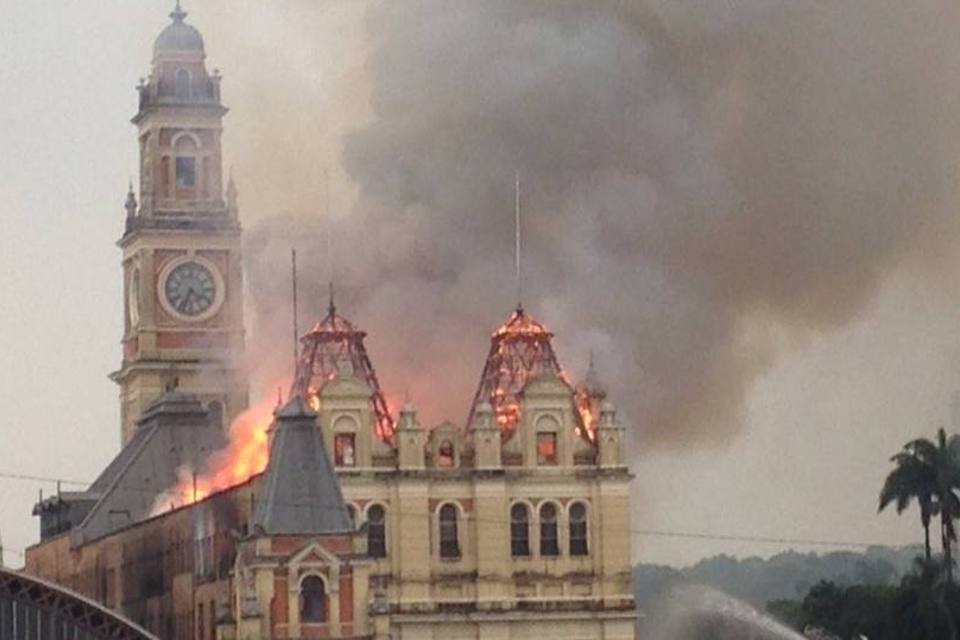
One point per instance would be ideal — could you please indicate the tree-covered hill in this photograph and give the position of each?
(788, 575)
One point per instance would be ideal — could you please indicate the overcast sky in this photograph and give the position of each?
(818, 424)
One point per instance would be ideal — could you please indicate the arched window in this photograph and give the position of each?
(446, 454)
(578, 529)
(519, 530)
(186, 162)
(313, 600)
(182, 90)
(548, 530)
(344, 450)
(449, 534)
(377, 532)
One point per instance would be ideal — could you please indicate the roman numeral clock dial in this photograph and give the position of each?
(191, 290)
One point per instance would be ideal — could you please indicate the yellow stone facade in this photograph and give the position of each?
(486, 591)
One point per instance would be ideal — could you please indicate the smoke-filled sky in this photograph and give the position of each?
(747, 210)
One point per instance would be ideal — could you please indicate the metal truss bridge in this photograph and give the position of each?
(34, 609)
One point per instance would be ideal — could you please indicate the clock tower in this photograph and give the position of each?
(183, 320)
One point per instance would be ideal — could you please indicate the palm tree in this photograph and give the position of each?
(912, 479)
(943, 460)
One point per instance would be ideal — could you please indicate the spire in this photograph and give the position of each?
(131, 204)
(300, 493)
(331, 308)
(516, 209)
(591, 381)
(178, 14)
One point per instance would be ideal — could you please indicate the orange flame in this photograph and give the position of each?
(245, 456)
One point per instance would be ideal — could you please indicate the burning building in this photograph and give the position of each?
(324, 516)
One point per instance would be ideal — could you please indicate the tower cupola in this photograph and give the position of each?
(180, 121)
(178, 35)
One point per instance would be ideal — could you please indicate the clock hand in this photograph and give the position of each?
(182, 307)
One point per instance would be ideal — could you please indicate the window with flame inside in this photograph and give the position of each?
(446, 454)
(546, 448)
(344, 451)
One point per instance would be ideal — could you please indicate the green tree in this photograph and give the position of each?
(927, 604)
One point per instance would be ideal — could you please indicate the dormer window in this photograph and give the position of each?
(344, 450)
(446, 454)
(546, 448)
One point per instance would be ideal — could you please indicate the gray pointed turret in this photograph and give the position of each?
(300, 493)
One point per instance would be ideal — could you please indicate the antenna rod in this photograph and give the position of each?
(517, 244)
(296, 328)
(329, 233)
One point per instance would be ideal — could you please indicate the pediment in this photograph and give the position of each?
(546, 387)
(314, 554)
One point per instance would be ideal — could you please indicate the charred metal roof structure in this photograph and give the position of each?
(334, 348)
(520, 351)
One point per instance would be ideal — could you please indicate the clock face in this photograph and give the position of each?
(190, 289)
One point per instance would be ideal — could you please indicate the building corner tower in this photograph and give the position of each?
(183, 281)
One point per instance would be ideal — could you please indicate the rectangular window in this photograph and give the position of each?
(578, 538)
(519, 539)
(546, 448)
(186, 173)
(344, 452)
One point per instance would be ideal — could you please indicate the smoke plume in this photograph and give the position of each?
(705, 185)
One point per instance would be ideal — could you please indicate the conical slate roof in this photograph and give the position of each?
(300, 493)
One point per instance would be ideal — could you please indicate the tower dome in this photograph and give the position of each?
(178, 35)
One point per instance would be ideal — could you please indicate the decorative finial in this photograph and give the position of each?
(178, 14)
(591, 381)
(331, 308)
(131, 204)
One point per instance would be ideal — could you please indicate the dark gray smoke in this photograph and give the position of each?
(705, 185)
